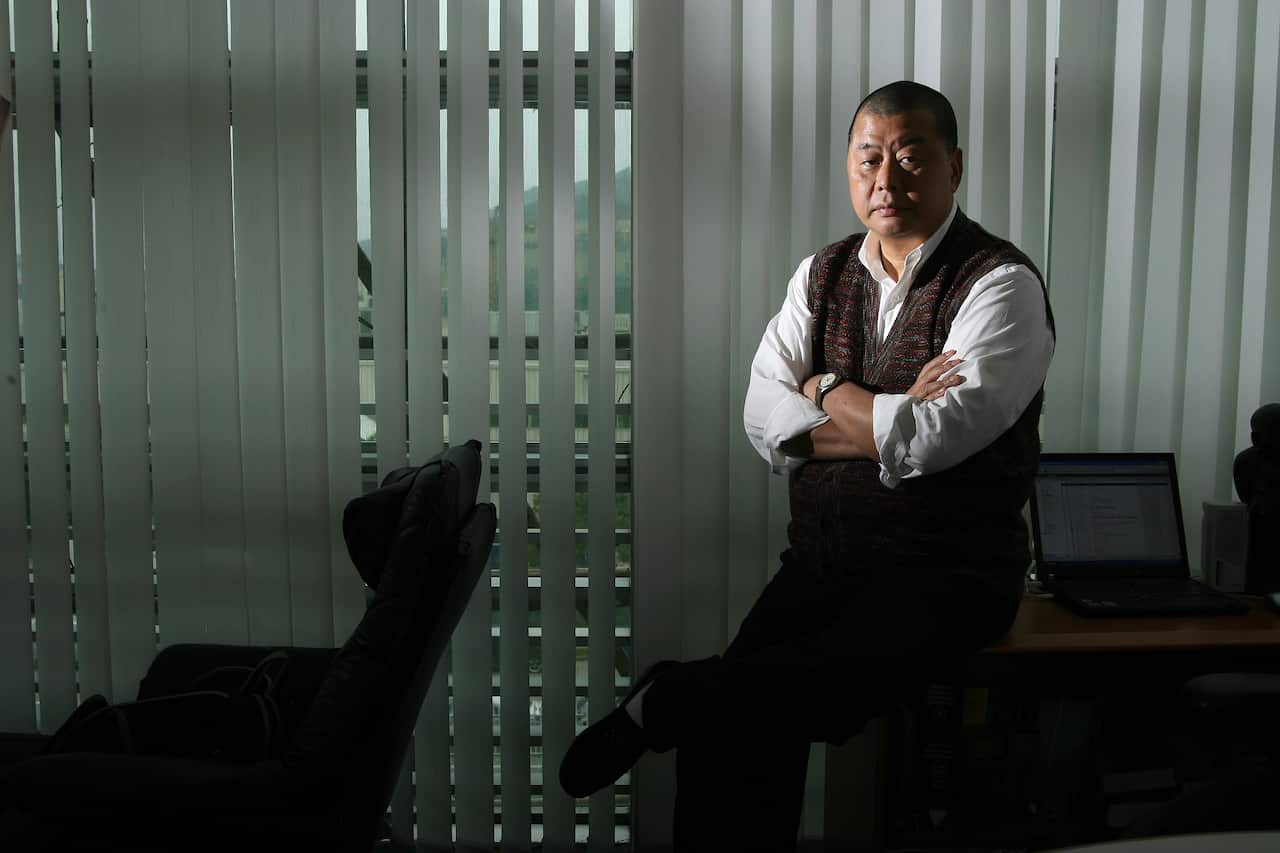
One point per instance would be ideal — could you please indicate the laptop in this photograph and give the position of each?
(1109, 540)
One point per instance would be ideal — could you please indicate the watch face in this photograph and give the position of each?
(827, 381)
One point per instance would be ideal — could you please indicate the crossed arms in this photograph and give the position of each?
(994, 362)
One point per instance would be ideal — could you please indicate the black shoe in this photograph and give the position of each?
(605, 750)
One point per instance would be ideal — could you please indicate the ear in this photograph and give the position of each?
(956, 162)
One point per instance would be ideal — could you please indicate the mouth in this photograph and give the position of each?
(890, 210)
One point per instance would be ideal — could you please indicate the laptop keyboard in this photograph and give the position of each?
(1153, 595)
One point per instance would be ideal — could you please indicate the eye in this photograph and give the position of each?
(908, 160)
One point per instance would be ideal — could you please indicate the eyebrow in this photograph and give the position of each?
(909, 141)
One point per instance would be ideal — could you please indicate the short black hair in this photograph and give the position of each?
(907, 96)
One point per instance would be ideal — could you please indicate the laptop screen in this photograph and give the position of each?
(1100, 514)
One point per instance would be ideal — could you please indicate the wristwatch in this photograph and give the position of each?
(825, 384)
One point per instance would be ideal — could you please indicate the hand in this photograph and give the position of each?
(930, 384)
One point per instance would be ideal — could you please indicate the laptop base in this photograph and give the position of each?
(1146, 597)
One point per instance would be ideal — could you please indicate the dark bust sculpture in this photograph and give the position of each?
(1257, 478)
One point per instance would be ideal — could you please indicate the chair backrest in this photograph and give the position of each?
(352, 741)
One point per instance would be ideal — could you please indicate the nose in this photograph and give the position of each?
(888, 174)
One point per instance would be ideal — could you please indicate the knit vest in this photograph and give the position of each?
(966, 519)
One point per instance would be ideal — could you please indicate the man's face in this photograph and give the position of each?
(901, 177)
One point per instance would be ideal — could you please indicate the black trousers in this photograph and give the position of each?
(814, 660)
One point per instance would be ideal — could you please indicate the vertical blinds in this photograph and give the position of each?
(196, 392)
(1163, 269)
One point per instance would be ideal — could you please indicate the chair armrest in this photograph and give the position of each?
(1237, 708)
(15, 747)
(1221, 691)
(176, 666)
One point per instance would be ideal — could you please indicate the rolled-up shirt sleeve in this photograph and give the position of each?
(776, 409)
(1001, 331)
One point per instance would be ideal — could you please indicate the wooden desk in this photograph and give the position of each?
(1056, 651)
(1044, 627)
(1052, 647)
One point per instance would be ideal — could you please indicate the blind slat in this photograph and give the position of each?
(426, 420)
(1260, 335)
(216, 339)
(298, 134)
(1028, 198)
(1021, 52)
(83, 423)
(1132, 132)
(703, 486)
(122, 366)
(780, 263)
(386, 201)
(749, 565)
(889, 47)
(601, 414)
(17, 703)
(830, 172)
(956, 66)
(341, 331)
(171, 319)
(1217, 261)
(423, 183)
(512, 480)
(468, 303)
(657, 275)
(990, 83)
(556, 406)
(258, 316)
(848, 78)
(930, 41)
(1084, 112)
(805, 120)
(1160, 391)
(42, 357)
(386, 193)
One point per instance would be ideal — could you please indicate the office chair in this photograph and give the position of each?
(421, 543)
(1233, 744)
(1230, 761)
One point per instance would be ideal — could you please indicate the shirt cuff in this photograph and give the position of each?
(893, 426)
(794, 415)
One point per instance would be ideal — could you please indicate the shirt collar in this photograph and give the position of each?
(869, 252)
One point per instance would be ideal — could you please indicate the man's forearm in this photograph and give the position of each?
(848, 435)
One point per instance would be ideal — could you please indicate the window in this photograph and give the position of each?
(527, 456)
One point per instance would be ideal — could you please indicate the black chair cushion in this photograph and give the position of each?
(370, 522)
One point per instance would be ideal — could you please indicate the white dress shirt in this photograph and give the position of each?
(1000, 331)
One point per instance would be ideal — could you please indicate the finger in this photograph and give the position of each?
(933, 371)
(941, 386)
(937, 360)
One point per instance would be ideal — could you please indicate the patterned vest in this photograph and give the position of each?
(965, 519)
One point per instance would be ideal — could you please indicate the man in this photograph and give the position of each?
(900, 386)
